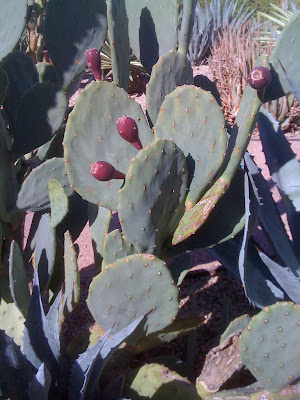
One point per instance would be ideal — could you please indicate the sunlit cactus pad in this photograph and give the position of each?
(91, 135)
(270, 345)
(152, 199)
(131, 287)
(194, 120)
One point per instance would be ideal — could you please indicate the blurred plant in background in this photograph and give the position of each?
(209, 22)
(233, 54)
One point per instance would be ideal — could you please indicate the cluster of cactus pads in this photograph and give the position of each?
(175, 178)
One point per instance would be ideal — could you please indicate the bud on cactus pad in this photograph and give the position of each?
(128, 131)
(259, 78)
(104, 171)
(93, 61)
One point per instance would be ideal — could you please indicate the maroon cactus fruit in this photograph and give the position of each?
(93, 61)
(104, 171)
(259, 78)
(128, 130)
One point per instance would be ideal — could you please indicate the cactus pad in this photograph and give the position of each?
(91, 135)
(152, 29)
(18, 279)
(116, 246)
(171, 70)
(71, 27)
(270, 345)
(155, 381)
(256, 392)
(12, 22)
(34, 194)
(59, 202)
(131, 287)
(284, 60)
(3, 85)
(220, 364)
(41, 112)
(12, 321)
(119, 41)
(235, 325)
(194, 120)
(152, 199)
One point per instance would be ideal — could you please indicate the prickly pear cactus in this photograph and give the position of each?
(284, 61)
(155, 381)
(115, 247)
(12, 22)
(12, 321)
(171, 70)
(152, 29)
(34, 193)
(256, 392)
(193, 119)
(152, 199)
(220, 364)
(270, 345)
(131, 287)
(71, 27)
(119, 41)
(91, 135)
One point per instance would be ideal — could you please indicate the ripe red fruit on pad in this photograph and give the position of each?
(93, 61)
(128, 131)
(104, 171)
(259, 78)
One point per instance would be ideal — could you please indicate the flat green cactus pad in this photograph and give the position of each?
(71, 27)
(155, 381)
(152, 199)
(256, 392)
(193, 119)
(270, 345)
(284, 58)
(34, 193)
(115, 247)
(59, 202)
(91, 135)
(12, 321)
(152, 29)
(131, 287)
(171, 70)
(12, 23)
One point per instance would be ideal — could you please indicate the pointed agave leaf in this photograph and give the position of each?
(284, 170)
(18, 281)
(90, 389)
(40, 344)
(39, 386)
(289, 282)
(59, 202)
(262, 288)
(87, 368)
(270, 219)
(15, 370)
(81, 366)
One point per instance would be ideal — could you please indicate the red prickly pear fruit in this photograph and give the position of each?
(128, 131)
(104, 171)
(93, 61)
(259, 78)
